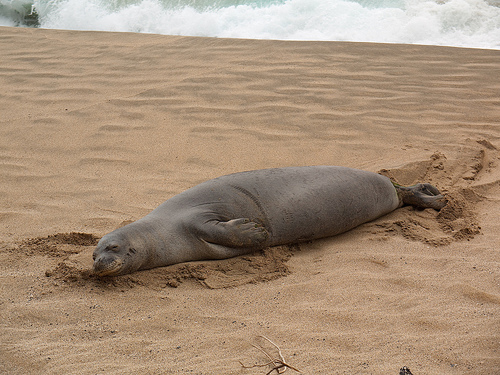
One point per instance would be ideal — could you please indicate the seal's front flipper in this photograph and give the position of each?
(421, 195)
(240, 232)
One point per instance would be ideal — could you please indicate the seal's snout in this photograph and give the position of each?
(107, 261)
(107, 265)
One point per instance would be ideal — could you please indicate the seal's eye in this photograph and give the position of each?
(113, 248)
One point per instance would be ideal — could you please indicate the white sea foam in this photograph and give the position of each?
(465, 23)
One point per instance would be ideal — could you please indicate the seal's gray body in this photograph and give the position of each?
(243, 212)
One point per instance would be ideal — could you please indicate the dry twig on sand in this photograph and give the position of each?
(279, 364)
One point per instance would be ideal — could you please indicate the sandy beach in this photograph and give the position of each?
(97, 129)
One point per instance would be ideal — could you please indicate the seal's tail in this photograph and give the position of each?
(420, 195)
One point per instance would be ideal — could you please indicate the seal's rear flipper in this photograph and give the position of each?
(421, 195)
(241, 232)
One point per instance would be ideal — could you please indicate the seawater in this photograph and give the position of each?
(461, 23)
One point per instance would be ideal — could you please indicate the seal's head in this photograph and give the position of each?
(114, 255)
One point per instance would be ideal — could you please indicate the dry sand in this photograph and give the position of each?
(100, 128)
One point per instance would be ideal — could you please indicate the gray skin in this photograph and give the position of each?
(248, 211)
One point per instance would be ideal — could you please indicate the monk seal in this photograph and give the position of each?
(247, 211)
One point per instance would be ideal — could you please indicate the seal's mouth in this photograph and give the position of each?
(112, 268)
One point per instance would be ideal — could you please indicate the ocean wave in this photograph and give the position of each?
(462, 23)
